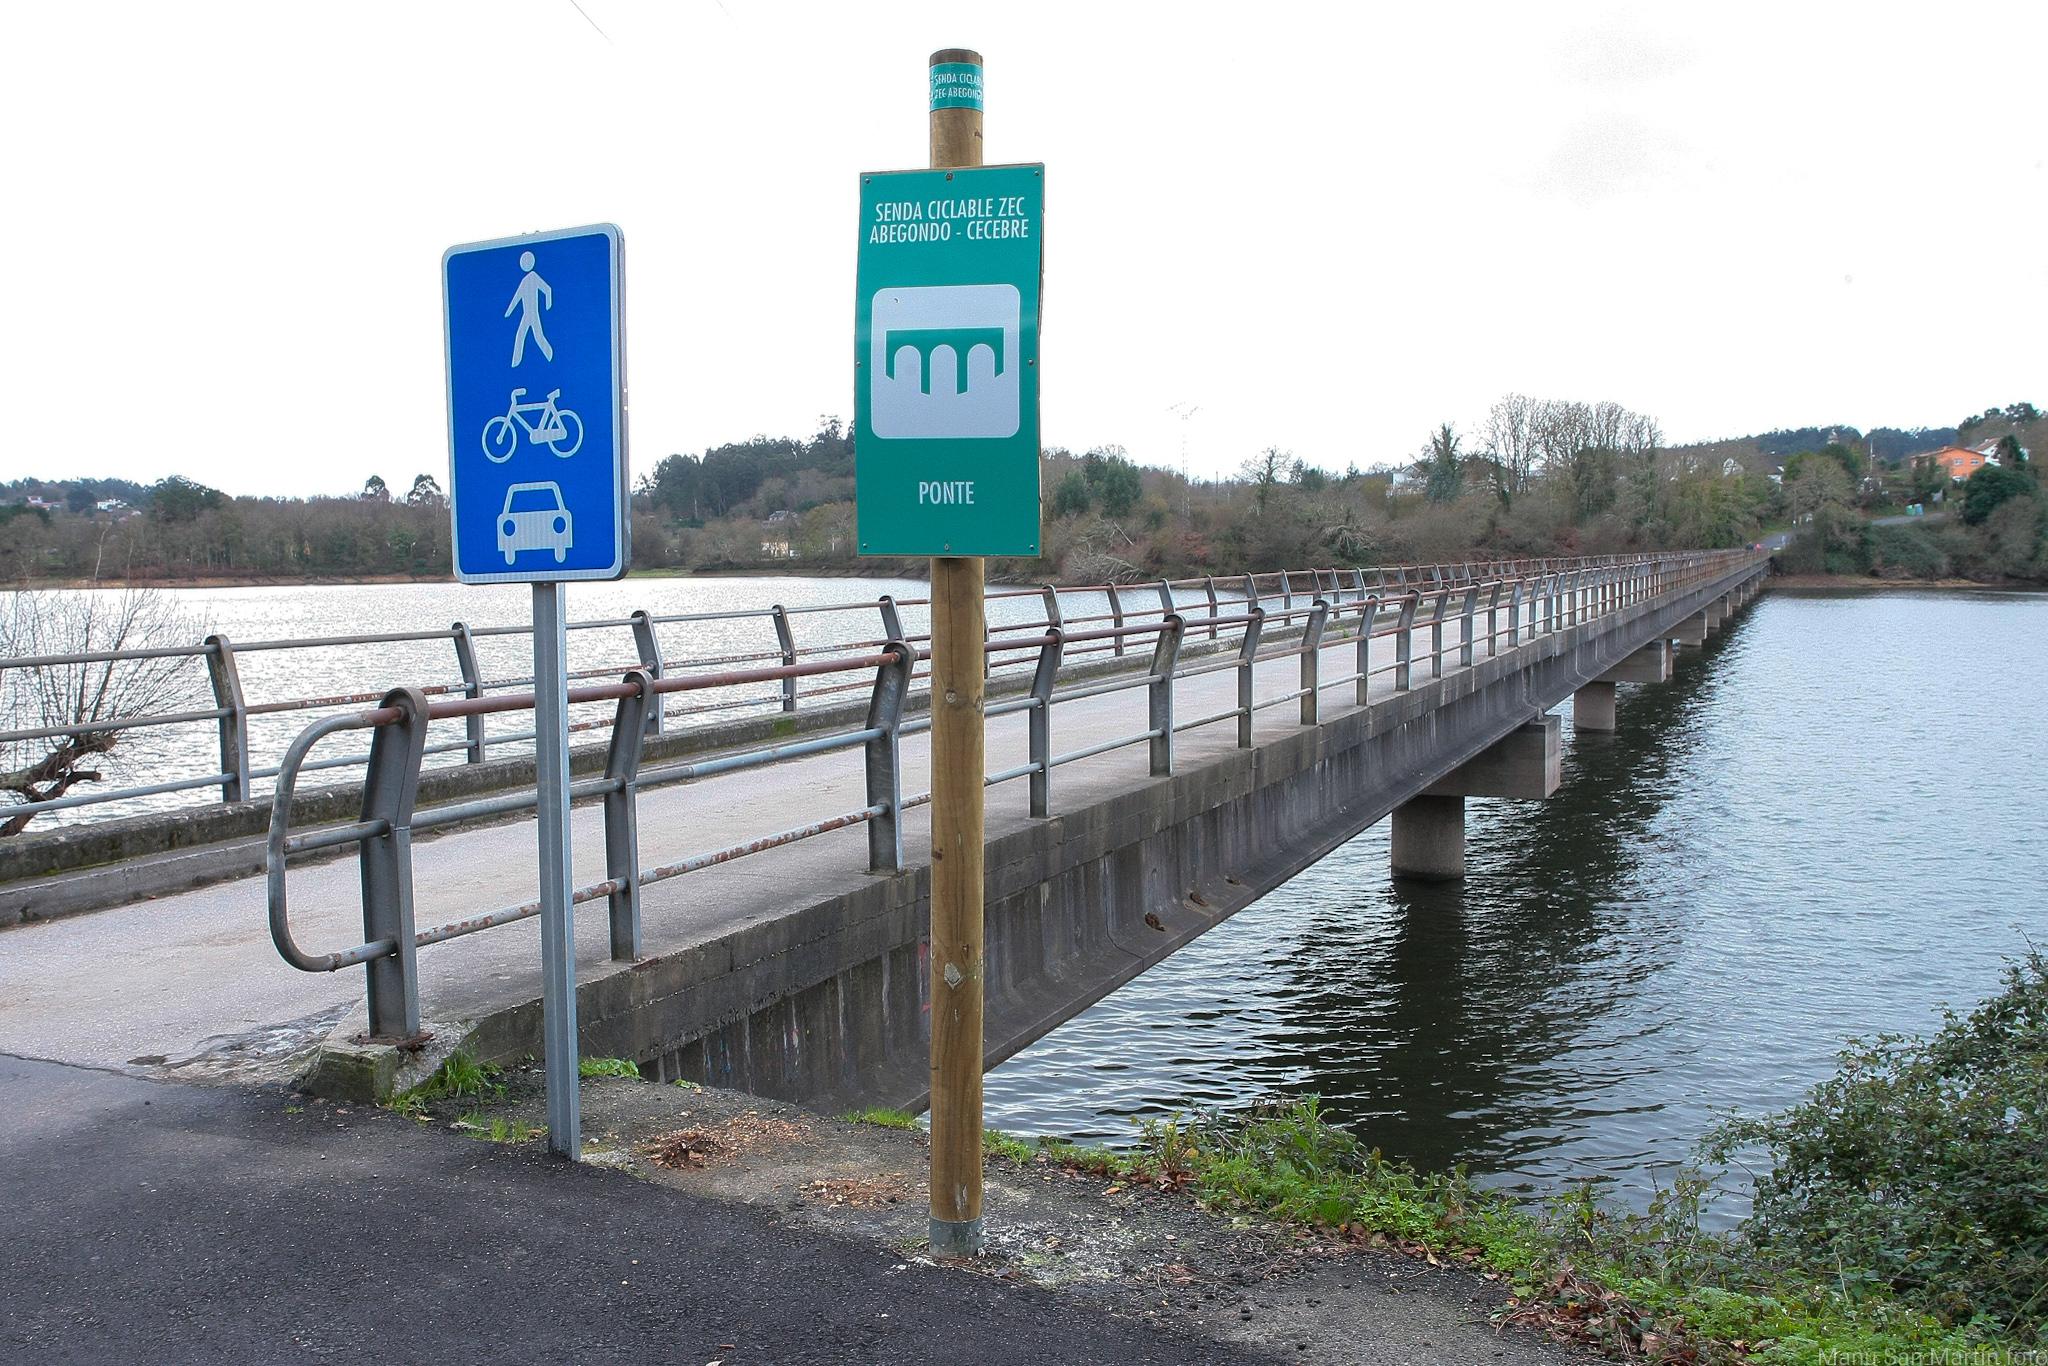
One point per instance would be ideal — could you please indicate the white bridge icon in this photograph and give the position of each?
(942, 361)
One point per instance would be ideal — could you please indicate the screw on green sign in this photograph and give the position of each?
(956, 85)
(946, 362)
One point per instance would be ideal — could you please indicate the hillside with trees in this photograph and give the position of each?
(1533, 477)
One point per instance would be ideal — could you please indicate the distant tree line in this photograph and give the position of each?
(1534, 476)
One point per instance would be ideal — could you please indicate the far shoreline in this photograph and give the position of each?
(904, 569)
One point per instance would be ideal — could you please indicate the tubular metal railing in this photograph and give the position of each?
(1503, 610)
(1204, 601)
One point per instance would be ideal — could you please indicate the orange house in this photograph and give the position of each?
(1960, 461)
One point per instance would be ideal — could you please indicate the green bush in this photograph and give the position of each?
(1991, 486)
(1921, 1168)
(1906, 552)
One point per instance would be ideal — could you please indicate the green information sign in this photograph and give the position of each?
(945, 357)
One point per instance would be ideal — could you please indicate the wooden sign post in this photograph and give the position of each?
(958, 630)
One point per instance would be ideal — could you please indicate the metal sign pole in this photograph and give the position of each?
(957, 765)
(557, 929)
(539, 493)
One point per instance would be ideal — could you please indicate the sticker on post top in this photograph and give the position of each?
(956, 85)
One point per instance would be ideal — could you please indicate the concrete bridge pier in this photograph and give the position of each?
(1429, 838)
(1429, 830)
(1651, 664)
(1593, 706)
(1691, 631)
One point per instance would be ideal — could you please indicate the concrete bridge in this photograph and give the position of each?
(760, 920)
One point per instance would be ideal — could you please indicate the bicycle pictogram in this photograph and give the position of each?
(557, 428)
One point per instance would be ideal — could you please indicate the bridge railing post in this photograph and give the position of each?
(1515, 614)
(1247, 652)
(882, 757)
(622, 813)
(1041, 720)
(1404, 642)
(234, 718)
(1312, 661)
(648, 646)
(1368, 618)
(1436, 633)
(786, 641)
(472, 687)
(1467, 620)
(892, 620)
(1051, 595)
(1159, 711)
(1287, 594)
(1116, 620)
(390, 786)
(1209, 587)
(1493, 619)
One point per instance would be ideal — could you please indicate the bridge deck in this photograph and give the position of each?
(193, 977)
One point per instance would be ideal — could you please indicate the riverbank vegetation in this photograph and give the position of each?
(1902, 1209)
(1532, 477)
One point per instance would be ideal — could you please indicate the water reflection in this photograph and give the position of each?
(1723, 890)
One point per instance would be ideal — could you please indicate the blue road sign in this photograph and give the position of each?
(537, 484)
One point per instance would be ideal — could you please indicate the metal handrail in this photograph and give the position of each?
(236, 772)
(383, 833)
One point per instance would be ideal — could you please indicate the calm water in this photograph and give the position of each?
(251, 616)
(1828, 824)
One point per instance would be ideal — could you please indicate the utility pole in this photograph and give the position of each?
(1184, 410)
(958, 633)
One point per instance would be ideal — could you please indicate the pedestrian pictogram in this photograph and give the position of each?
(530, 298)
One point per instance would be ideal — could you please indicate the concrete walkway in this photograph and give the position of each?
(191, 983)
(150, 1223)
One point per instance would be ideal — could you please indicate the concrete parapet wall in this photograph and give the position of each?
(826, 1004)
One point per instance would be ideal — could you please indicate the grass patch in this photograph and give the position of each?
(1653, 1286)
(608, 1067)
(494, 1128)
(460, 1077)
(996, 1143)
(1095, 1161)
(882, 1118)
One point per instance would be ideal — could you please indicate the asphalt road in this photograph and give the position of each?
(147, 1222)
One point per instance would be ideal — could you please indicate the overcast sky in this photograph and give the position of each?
(1326, 228)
